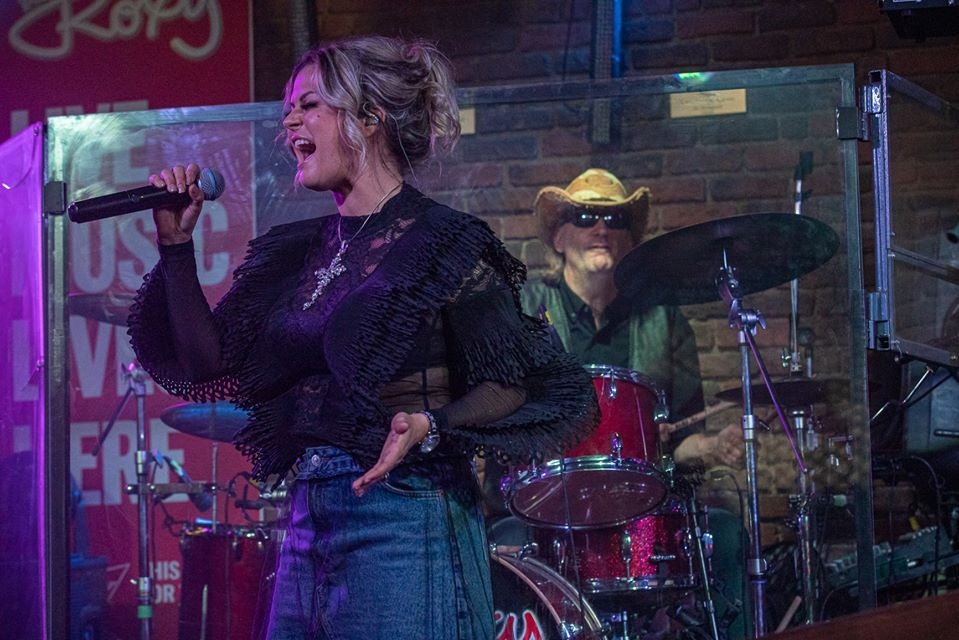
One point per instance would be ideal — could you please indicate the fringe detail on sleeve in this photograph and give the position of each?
(152, 339)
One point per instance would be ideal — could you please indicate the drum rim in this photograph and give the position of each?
(525, 479)
(606, 462)
(512, 562)
(612, 586)
(598, 370)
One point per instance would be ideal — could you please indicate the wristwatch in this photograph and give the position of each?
(432, 439)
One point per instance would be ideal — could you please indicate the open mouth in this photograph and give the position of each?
(303, 149)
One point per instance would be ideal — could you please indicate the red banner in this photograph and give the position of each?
(63, 57)
(69, 57)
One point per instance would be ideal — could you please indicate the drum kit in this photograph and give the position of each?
(616, 532)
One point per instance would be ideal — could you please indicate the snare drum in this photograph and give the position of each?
(611, 477)
(530, 600)
(649, 555)
(227, 582)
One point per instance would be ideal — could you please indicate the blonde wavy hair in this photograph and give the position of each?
(411, 82)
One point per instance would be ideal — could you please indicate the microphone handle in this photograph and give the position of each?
(124, 202)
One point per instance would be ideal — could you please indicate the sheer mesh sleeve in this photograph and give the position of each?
(517, 395)
(172, 328)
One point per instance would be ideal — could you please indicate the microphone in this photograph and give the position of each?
(202, 501)
(148, 197)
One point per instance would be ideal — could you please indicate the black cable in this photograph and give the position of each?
(743, 534)
(935, 483)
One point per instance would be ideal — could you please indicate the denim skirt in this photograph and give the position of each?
(407, 561)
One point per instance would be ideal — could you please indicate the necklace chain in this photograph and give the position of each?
(325, 275)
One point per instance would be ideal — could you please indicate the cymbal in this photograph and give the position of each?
(765, 250)
(218, 421)
(792, 392)
(112, 308)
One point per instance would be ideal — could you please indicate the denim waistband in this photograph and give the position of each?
(318, 463)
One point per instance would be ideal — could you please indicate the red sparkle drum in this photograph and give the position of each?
(611, 477)
(228, 577)
(647, 555)
(530, 600)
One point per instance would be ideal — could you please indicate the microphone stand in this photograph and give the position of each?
(745, 322)
(142, 489)
(136, 380)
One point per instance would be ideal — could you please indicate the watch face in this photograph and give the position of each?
(429, 442)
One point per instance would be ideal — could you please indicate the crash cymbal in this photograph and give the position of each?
(792, 392)
(211, 420)
(112, 308)
(765, 249)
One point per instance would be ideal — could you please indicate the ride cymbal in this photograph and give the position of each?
(218, 421)
(764, 249)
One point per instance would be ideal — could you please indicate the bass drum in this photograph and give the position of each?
(228, 577)
(530, 600)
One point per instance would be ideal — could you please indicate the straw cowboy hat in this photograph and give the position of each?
(595, 189)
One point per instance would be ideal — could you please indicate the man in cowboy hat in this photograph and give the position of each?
(587, 228)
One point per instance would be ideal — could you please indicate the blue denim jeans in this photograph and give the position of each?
(407, 561)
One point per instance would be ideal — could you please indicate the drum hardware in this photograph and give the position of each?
(136, 385)
(699, 536)
(773, 248)
(200, 494)
(616, 444)
(610, 391)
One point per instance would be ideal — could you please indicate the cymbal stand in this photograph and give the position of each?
(745, 322)
(802, 506)
(137, 380)
(708, 603)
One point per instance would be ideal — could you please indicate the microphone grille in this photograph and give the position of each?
(211, 183)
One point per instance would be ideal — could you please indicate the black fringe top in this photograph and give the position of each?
(416, 271)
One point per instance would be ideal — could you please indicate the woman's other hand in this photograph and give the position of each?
(406, 431)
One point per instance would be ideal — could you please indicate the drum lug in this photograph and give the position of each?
(611, 390)
(529, 550)
(559, 554)
(661, 411)
(617, 446)
(505, 483)
(570, 631)
(708, 544)
(626, 552)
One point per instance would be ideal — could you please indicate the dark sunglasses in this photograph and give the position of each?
(584, 219)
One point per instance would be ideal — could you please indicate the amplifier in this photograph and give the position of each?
(921, 19)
